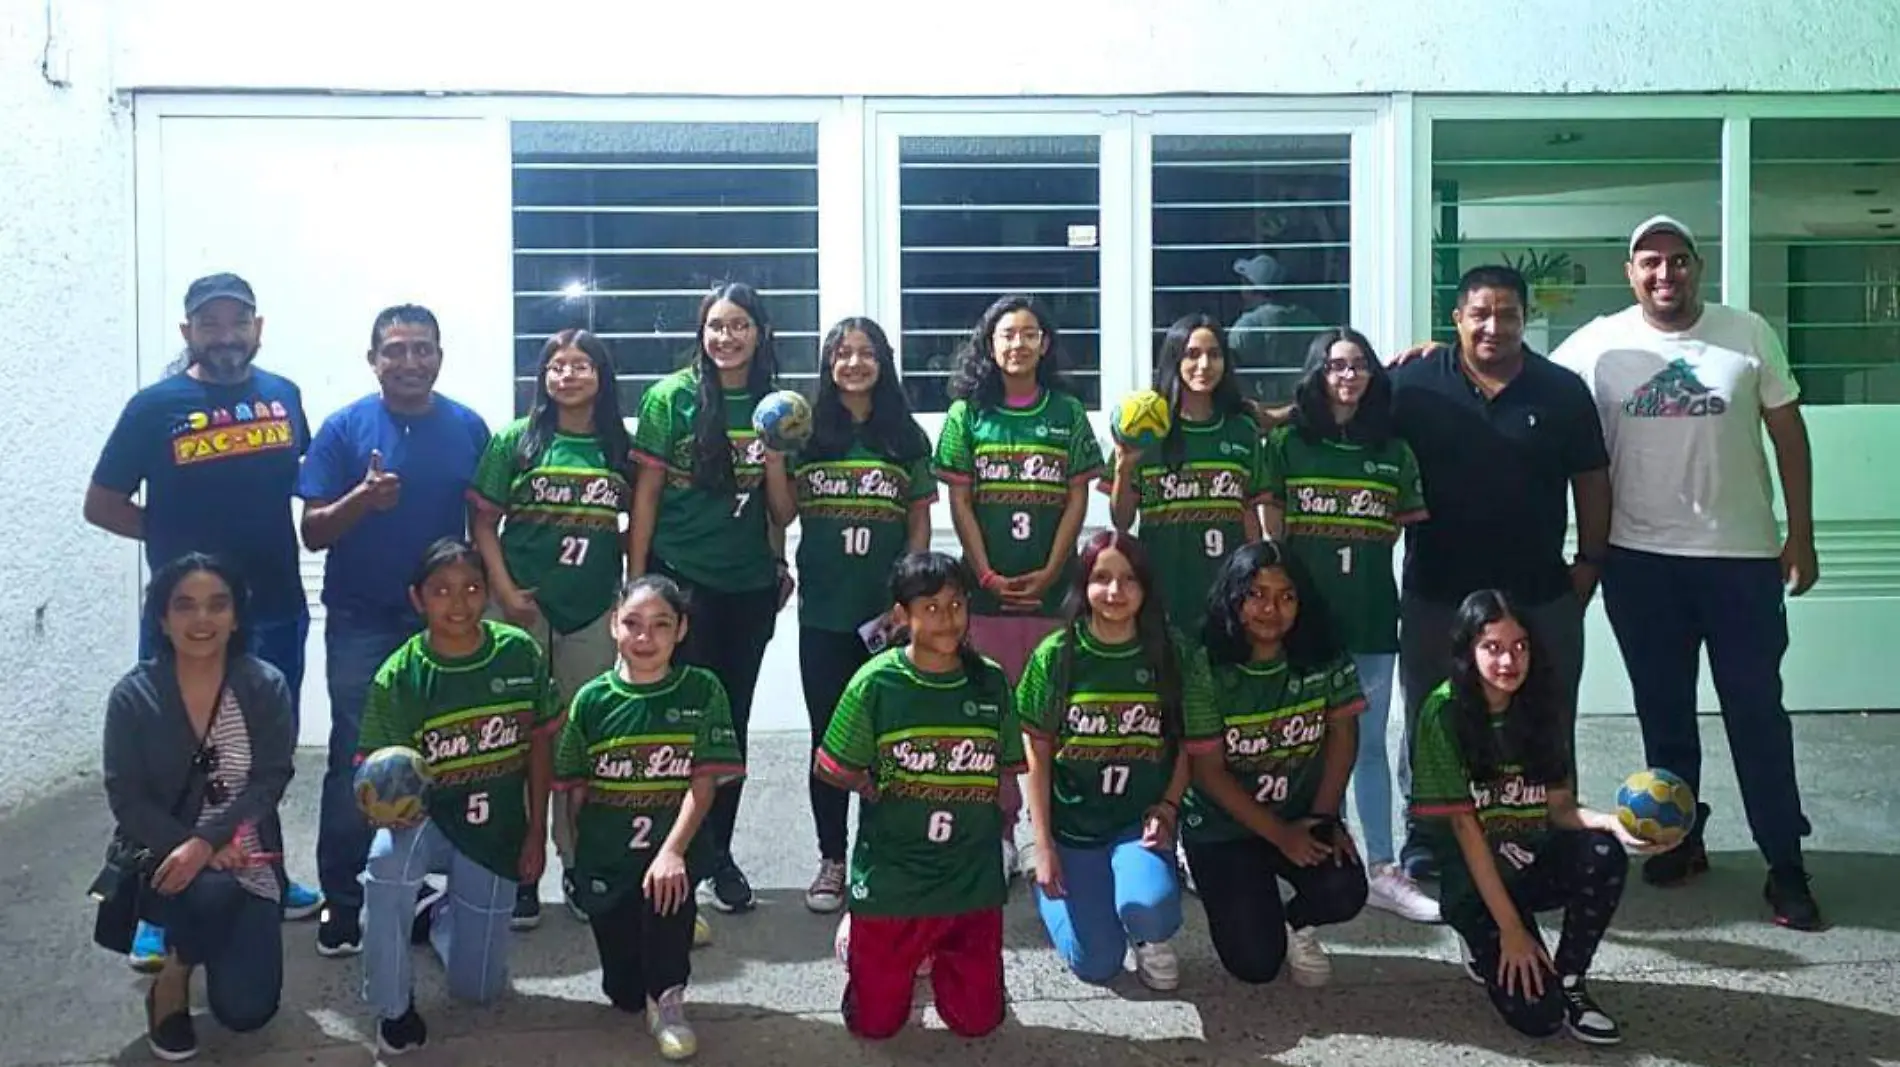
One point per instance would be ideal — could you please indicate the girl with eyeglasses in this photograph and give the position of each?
(1340, 486)
(547, 503)
(198, 745)
(711, 504)
(1017, 453)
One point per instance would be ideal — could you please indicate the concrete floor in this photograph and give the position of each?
(1696, 976)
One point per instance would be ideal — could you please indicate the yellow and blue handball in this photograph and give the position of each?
(1141, 419)
(392, 787)
(782, 420)
(1657, 806)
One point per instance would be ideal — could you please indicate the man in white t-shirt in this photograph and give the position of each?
(1696, 557)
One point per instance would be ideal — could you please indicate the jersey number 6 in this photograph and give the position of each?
(942, 825)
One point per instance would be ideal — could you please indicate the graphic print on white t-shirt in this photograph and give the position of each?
(1675, 392)
(1681, 415)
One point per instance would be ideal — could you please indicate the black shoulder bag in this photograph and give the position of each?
(123, 887)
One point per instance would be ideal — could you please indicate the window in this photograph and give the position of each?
(1557, 199)
(1824, 255)
(1255, 231)
(985, 216)
(622, 227)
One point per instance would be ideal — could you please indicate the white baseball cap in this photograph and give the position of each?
(1661, 224)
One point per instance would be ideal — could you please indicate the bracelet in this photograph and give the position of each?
(1171, 805)
(989, 580)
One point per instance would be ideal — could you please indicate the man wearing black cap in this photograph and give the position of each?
(1696, 558)
(216, 450)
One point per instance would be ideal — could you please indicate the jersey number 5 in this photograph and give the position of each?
(477, 812)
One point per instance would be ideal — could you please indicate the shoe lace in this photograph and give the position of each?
(671, 1008)
(830, 878)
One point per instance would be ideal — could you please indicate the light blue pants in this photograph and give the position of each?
(1372, 770)
(1111, 895)
(469, 929)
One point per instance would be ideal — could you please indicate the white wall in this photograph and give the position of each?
(66, 633)
(1006, 47)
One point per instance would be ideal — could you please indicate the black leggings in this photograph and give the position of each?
(826, 661)
(727, 635)
(1239, 883)
(1580, 871)
(643, 953)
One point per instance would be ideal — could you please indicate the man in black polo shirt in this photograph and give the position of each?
(1502, 435)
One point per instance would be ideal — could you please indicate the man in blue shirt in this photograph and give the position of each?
(216, 449)
(385, 477)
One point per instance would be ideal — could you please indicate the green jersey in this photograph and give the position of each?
(854, 522)
(1192, 515)
(560, 530)
(1274, 723)
(714, 538)
(475, 720)
(1512, 809)
(1101, 714)
(1344, 506)
(637, 749)
(1019, 464)
(931, 750)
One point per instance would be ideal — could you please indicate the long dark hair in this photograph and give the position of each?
(979, 380)
(1228, 400)
(158, 599)
(1371, 424)
(1533, 733)
(891, 431)
(544, 416)
(1158, 645)
(916, 575)
(712, 448)
(1309, 644)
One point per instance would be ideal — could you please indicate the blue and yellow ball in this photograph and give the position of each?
(1657, 806)
(782, 420)
(392, 787)
(1141, 419)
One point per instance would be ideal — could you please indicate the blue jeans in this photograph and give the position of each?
(469, 929)
(1663, 609)
(238, 938)
(352, 654)
(1372, 770)
(1111, 895)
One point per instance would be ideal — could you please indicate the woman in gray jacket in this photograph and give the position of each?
(197, 754)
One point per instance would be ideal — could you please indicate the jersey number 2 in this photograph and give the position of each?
(642, 830)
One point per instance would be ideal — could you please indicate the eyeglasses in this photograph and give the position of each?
(1343, 367)
(575, 370)
(730, 327)
(205, 762)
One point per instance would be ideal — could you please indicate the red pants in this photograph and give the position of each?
(966, 975)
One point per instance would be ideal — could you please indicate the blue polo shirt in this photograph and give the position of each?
(219, 464)
(366, 573)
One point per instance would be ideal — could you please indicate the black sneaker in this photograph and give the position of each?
(172, 1038)
(527, 908)
(730, 890)
(1683, 863)
(339, 932)
(1585, 1021)
(426, 897)
(1788, 893)
(405, 1033)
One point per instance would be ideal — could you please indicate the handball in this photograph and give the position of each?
(392, 787)
(1141, 419)
(1656, 806)
(782, 420)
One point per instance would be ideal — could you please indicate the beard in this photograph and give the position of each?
(223, 363)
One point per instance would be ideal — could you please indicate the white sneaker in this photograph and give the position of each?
(1011, 865)
(1390, 890)
(666, 1017)
(1306, 958)
(1157, 966)
(826, 894)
